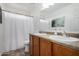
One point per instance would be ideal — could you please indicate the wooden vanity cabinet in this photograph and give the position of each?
(31, 45)
(59, 50)
(39, 46)
(34, 45)
(45, 47)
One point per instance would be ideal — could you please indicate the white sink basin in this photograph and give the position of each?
(40, 34)
(71, 39)
(64, 39)
(58, 38)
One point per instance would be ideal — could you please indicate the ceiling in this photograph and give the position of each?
(28, 8)
(53, 8)
(21, 8)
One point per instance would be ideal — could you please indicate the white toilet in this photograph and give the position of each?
(26, 43)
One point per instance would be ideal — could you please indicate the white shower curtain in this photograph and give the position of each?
(28, 28)
(16, 30)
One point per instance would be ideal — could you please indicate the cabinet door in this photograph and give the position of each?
(45, 47)
(31, 45)
(59, 50)
(36, 46)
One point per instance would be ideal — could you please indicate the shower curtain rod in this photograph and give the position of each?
(17, 13)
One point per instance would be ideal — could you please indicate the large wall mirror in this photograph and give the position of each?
(58, 22)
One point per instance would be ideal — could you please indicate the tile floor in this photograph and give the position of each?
(18, 52)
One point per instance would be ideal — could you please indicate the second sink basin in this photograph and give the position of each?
(64, 39)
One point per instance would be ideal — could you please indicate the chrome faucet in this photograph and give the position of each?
(64, 33)
(55, 31)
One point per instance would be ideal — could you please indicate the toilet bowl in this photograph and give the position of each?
(26, 43)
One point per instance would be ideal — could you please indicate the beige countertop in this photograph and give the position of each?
(70, 44)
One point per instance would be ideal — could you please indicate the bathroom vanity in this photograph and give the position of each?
(48, 45)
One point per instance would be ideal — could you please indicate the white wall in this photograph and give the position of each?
(1, 37)
(71, 13)
(44, 25)
(36, 18)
